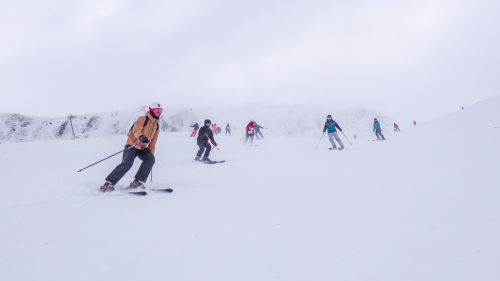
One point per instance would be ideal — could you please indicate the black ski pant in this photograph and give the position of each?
(249, 136)
(148, 160)
(259, 135)
(204, 146)
(378, 132)
(228, 132)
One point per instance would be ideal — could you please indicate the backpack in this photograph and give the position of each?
(144, 125)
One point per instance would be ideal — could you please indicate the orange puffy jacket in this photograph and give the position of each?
(151, 131)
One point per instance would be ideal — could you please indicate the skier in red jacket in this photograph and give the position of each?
(250, 132)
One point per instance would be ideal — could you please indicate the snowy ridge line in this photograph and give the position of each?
(19, 128)
(286, 120)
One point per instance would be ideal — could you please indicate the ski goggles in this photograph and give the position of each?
(156, 111)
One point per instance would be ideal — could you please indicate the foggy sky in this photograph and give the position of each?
(408, 58)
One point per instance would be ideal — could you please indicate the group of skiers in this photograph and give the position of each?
(332, 128)
(143, 136)
(215, 129)
(141, 143)
(397, 129)
(253, 130)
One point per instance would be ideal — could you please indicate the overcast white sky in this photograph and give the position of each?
(419, 58)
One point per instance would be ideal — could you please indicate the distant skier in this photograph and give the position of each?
(414, 123)
(195, 127)
(250, 132)
(377, 129)
(228, 129)
(331, 127)
(258, 132)
(141, 143)
(396, 127)
(205, 137)
(213, 127)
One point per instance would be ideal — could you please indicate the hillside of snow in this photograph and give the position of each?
(423, 205)
(285, 120)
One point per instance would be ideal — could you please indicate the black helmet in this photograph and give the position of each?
(207, 122)
(329, 116)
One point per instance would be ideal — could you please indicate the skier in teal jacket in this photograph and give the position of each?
(331, 127)
(377, 129)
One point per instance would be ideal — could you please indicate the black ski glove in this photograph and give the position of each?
(144, 139)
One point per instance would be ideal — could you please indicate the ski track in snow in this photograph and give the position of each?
(422, 205)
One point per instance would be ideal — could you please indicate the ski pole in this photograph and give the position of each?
(104, 159)
(346, 137)
(320, 140)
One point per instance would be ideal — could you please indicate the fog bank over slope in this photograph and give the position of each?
(285, 120)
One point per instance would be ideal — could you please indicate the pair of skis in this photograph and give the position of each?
(144, 193)
(213, 162)
(210, 162)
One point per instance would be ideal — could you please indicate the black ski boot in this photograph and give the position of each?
(136, 184)
(206, 159)
(107, 187)
(197, 158)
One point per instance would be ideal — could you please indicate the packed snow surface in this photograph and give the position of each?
(423, 205)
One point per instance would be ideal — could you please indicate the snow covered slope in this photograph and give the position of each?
(423, 205)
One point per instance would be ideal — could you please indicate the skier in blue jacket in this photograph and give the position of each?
(377, 129)
(331, 126)
(258, 132)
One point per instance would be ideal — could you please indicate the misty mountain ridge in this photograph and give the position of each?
(279, 120)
